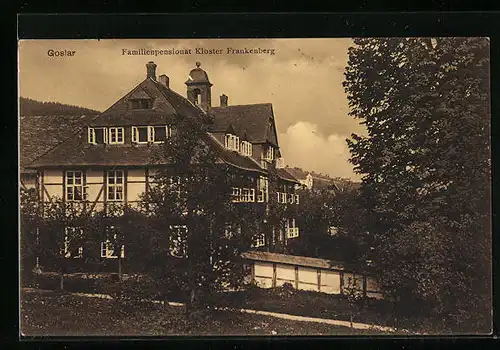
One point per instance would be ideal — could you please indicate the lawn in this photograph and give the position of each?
(60, 314)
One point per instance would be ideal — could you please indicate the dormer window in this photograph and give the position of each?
(246, 148)
(140, 134)
(141, 103)
(268, 154)
(98, 135)
(115, 136)
(159, 133)
(232, 142)
(154, 134)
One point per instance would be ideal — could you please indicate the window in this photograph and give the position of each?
(235, 194)
(291, 230)
(247, 195)
(246, 148)
(232, 142)
(333, 230)
(143, 103)
(140, 134)
(145, 134)
(72, 233)
(115, 135)
(108, 247)
(178, 241)
(159, 133)
(75, 186)
(269, 154)
(296, 198)
(97, 135)
(259, 241)
(281, 197)
(115, 185)
(263, 189)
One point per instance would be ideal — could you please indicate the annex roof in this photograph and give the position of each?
(293, 260)
(39, 134)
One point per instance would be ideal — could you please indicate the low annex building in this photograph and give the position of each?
(273, 270)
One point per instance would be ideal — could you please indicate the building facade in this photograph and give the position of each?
(112, 158)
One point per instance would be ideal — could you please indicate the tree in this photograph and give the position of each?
(62, 233)
(196, 233)
(426, 171)
(29, 223)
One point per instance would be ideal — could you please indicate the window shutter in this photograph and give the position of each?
(105, 134)
(91, 135)
(151, 134)
(134, 134)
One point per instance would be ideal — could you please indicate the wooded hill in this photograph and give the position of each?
(29, 107)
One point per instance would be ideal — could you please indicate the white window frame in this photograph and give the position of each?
(151, 133)
(65, 251)
(232, 142)
(113, 187)
(292, 231)
(135, 134)
(115, 133)
(269, 154)
(263, 189)
(236, 194)
(259, 240)
(282, 197)
(246, 148)
(333, 230)
(91, 135)
(296, 198)
(180, 250)
(71, 186)
(107, 247)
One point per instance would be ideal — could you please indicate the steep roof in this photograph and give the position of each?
(166, 103)
(39, 134)
(256, 120)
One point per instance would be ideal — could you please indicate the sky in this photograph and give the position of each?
(302, 79)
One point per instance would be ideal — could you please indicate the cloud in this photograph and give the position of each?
(303, 146)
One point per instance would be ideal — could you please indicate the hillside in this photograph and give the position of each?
(29, 107)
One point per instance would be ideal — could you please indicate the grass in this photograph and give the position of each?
(60, 314)
(313, 304)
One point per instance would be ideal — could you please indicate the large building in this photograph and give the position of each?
(108, 158)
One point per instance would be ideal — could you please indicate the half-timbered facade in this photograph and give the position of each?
(109, 161)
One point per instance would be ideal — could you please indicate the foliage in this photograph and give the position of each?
(29, 107)
(425, 168)
(194, 192)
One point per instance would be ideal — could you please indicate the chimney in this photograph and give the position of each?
(151, 70)
(223, 100)
(164, 80)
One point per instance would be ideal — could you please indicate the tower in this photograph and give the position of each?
(199, 88)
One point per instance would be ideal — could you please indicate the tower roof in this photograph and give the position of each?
(198, 75)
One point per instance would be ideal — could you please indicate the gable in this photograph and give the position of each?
(257, 120)
(165, 104)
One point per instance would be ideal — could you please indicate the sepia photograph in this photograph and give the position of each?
(255, 187)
